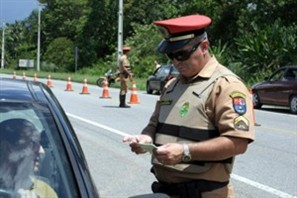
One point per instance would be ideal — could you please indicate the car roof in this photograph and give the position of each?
(22, 90)
(289, 66)
(167, 65)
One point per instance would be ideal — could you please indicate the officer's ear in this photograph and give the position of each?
(204, 45)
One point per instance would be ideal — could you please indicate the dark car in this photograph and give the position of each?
(160, 77)
(279, 89)
(40, 155)
(34, 130)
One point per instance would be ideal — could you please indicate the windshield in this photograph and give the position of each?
(33, 161)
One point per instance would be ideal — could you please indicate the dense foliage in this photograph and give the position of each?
(252, 37)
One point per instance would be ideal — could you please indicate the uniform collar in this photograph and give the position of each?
(206, 71)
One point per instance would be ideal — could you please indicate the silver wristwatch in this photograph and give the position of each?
(187, 155)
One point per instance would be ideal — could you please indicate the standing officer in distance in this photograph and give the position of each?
(125, 75)
(202, 120)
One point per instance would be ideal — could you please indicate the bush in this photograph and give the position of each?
(97, 69)
(60, 52)
(143, 53)
(267, 48)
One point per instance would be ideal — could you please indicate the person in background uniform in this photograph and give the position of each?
(125, 76)
(202, 120)
(20, 152)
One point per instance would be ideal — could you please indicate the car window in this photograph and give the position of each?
(163, 71)
(290, 75)
(51, 174)
(174, 71)
(277, 76)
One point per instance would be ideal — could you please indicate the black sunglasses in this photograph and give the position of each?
(183, 54)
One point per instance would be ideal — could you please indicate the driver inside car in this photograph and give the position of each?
(20, 153)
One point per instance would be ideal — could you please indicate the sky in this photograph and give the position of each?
(12, 10)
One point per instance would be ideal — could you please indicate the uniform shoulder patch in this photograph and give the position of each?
(241, 123)
(239, 103)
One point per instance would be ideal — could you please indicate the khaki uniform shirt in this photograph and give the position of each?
(124, 62)
(227, 108)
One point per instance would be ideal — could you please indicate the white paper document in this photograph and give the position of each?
(149, 147)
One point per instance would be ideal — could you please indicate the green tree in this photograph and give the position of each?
(265, 49)
(245, 35)
(98, 37)
(60, 52)
(64, 18)
(18, 44)
(143, 52)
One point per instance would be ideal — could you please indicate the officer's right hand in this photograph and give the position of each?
(169, 154)
(135, 140)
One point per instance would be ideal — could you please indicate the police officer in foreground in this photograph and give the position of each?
(202, 120)
(125, 75)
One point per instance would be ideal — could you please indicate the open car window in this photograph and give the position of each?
(50, 174)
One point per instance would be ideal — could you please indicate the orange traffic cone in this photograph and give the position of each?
(69, 85)
(85, 88)
(24, 76)
(49, 81)
(35, 77)
(254, 118)
(105, 93)
(14, 75)
(134, 96)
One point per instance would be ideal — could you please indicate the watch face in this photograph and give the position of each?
(186, 158)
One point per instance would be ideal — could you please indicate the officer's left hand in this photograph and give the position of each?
(169, 154)
(133, 141)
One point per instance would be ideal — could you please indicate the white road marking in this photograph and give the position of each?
(262, 187)
(236, 177)
(98, 125)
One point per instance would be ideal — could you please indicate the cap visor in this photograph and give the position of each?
(167, 47)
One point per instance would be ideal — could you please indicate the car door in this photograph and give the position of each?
(154, 78)
(279, 87)
(286, 87)
(268, 90)
(159, 76)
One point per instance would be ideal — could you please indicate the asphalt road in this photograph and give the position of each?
(267, 170)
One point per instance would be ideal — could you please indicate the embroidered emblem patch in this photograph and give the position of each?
(241, 123)
(166, 102)
(239, 103)
(184, 110)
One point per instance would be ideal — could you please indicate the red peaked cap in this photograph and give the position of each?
(126, 48)
(178, 32)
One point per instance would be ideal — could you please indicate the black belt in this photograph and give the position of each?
(193, 189)
(193, 134)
